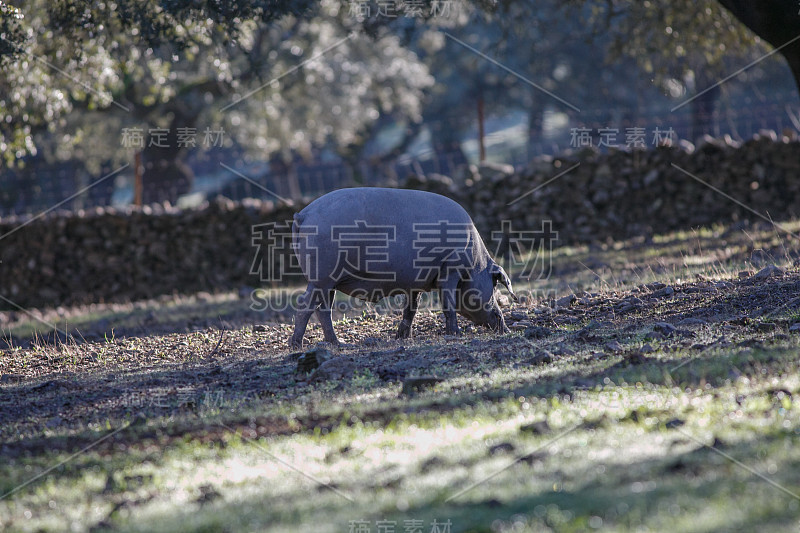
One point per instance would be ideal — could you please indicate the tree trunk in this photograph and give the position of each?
(283, 172)
(535, 124)
(481, 131)
(703, 112)
(293, 180)
(165, 176)
(775, 21)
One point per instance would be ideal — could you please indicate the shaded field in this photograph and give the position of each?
(644, 386)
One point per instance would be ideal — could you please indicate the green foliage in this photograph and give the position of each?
(672, 41)
(10, 31)
(76, 73)
(156, 23)
(89, 70)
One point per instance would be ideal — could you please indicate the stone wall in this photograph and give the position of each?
(119, 255)
(623, 194)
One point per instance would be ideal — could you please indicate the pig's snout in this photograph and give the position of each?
(496, 321)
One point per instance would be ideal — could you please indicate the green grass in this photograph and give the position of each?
(696, 435)
(620, 464)
(625, 453)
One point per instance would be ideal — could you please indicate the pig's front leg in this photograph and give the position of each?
(448, 294)
(404, 330)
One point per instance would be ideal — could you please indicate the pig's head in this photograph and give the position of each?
(478, 301)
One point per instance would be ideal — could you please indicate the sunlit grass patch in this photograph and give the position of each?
(599, 420)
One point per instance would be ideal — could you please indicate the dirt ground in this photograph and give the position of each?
(200, 368)
(71, 385)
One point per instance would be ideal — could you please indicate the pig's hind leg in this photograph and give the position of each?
(307, 303)
(324, 315)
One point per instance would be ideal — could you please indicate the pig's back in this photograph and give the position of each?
(381, 206)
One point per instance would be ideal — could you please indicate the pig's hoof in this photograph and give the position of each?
(295, 344)
(403, 331)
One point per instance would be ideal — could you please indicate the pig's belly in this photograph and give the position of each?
(366, 287)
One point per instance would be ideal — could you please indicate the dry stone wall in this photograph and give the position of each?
(624, 194)
(133, 253)
(119, 255)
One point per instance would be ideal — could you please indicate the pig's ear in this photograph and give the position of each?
(499, 275)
